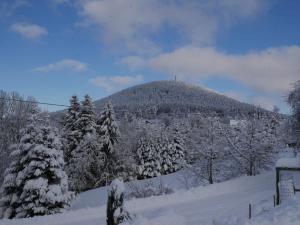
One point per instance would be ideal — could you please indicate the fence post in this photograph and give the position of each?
(250, 211)
(274, 200)
(277, 188)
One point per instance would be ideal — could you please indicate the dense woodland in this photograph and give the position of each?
(45, 162)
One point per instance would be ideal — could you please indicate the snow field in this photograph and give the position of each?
(198, 206)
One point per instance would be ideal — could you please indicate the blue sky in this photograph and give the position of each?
(246, 49)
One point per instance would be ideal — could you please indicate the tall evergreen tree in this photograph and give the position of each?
(86, 122)
(88, 164)
(79, 166)
(108, 129)
(70, 129)
(178, 155)
(108, 132)
(35, 183)
(148, 159)
(166, 155)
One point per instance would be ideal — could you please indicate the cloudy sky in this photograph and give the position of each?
(246, 49)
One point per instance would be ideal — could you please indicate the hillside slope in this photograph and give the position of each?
(198, 206)
(174, 97)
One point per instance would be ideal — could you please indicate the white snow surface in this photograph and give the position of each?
(288, 162)
(118, 186)
(226, 202)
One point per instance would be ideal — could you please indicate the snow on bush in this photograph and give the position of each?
(148, 189)
(115, 211)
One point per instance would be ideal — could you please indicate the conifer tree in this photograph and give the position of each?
(86, 122)
(108, 133)
(87, 164)
(178, 154)
(70, 128)
(166, 155)
(148, 159)
(108, 129)
(81, 158)
(35, 183)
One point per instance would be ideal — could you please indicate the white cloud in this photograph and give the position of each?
(65, 64)
(30, 31)
(113, 83)
(9, 8)
(270, 70)
(133, 22)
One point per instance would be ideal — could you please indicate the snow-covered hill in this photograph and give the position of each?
(155, 98)
(198, 206)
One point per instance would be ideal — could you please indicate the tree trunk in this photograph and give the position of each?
(210, 178)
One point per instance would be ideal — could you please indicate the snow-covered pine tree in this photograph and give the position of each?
(86, 122)
(86, 126)
(115, 211)
(108, 133)
(178, 155)
(167, 153)
(108, 129)
(148, 159)
(35, 183)
(88, 164)
(70, 128)
(14, 116)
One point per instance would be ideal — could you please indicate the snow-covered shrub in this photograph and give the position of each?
(115, 211)
(148, 189)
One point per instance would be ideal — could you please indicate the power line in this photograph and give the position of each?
(33, 102)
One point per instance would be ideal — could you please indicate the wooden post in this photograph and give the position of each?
(277, 188)
(250, 211)
(274, 200)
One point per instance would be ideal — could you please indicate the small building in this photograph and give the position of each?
(287, 178)
(236, 123)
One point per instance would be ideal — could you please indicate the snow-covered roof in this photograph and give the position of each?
(233, 122)
(288, 162)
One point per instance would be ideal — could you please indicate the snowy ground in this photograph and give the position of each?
(199, 206)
